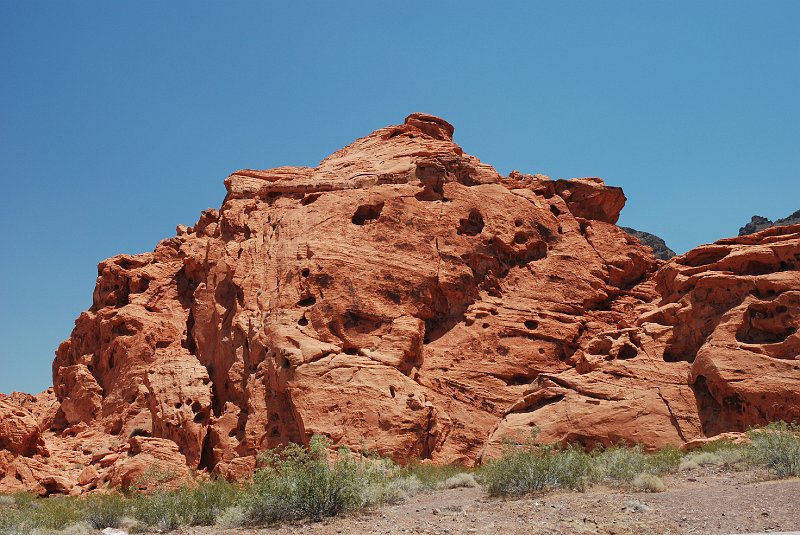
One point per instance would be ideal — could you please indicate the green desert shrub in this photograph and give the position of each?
(45, 515)
(531, 468)
(295, 483)
(192, 505)
(204, 502)
(777, 447)
(104, 510)
(161, 510)
(429, 475)
(619, 465)
(665, 461)
(232, 517)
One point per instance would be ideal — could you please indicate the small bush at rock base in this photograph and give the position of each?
(777, 447)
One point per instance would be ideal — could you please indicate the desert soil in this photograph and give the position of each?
(703, 501)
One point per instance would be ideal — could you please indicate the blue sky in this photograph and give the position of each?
(119, 120)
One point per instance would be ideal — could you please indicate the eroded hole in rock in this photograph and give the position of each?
(367, 212)
(765, 323)
(188, 342)
(518, 222)
(308, 199)
(392, 296)
(305, 272)
(361, 324)
(516, 380)
(757, 268)
(307, 301)
(162, 344)
(763, 294)
(350, 351)
(122, 329)
(704, 256)
(472, 225)
(520, 238)
(200, 417)
(138, 286)
(392, 391)
(546, 234)
(555, 211)
(670, 355)
(531, 324)
(302, 321)
(734, 403)
(627, 351)
(542, 403)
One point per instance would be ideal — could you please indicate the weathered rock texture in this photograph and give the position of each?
(758, 222)
(405, 296)
(658, 245)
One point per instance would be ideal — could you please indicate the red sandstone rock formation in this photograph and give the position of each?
(405, 296)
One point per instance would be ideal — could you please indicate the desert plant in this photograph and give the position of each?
(104, 510)
(461, 479)
(51, 514)
(619, 465)
(701, 458)
(207, 500)
(295, 483)
(665, 460)
(232, 517)
(648, 483)
(161, 509)
(430, 475)
(530, 468)
(777, 447)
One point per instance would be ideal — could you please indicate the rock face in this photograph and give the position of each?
(659, 246)
(405, 296)
(758, 222)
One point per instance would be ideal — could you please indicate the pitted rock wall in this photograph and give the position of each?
(404, 296)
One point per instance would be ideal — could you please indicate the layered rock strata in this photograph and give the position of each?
(404, 296)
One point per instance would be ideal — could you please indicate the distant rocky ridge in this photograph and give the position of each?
(405, 297)
(758, 222)
(659, 246)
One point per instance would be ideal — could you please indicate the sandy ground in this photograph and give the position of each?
(703, 501)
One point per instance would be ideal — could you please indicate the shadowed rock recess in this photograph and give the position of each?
(404, 296)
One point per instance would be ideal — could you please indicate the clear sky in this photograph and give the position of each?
(119, 120)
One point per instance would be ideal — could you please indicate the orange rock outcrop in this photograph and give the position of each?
(405, 296)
